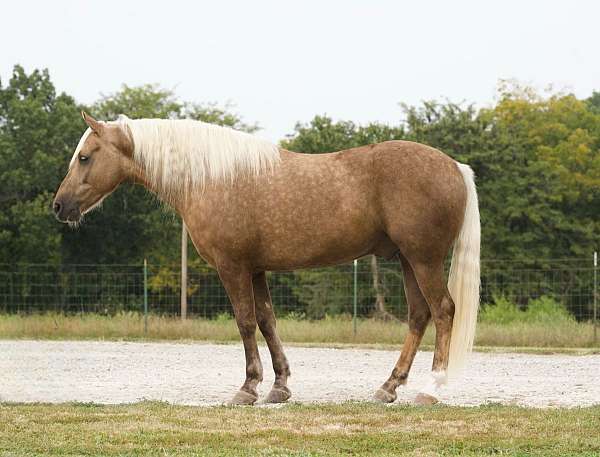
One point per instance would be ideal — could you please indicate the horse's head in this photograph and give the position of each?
(102, 160)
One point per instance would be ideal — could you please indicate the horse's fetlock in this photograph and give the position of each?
(254, 370)
(283, 371)
(400, 375)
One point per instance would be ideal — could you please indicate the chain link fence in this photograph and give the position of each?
(374, 288)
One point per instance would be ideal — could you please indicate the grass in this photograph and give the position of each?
(548, 336)
(161, 429)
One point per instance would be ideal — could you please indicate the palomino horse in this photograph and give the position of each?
(252, 207)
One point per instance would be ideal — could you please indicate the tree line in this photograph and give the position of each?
(536, 157)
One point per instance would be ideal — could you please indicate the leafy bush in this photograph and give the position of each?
(295, 316)
(503, 311)
(223, 317)
(539, 310)
(547, 309)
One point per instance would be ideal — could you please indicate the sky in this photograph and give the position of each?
(283, 62)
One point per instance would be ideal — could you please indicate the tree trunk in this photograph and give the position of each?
(380, 311)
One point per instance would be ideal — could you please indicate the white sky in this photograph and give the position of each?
(281, 62)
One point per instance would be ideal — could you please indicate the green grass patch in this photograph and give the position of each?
(331, 331)
(159, 429)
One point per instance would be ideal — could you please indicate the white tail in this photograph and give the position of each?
(464, 280)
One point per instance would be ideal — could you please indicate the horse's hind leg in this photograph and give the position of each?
(419, 316)
(432, 284)
(266, 322)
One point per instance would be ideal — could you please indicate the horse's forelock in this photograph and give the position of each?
(80, 145)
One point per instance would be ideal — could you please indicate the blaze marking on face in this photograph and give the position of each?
(79, 146)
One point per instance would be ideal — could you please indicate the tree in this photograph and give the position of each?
(593, 102)
(551, 181)
(322, 134)
(39, 130)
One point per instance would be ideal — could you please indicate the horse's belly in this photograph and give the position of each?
(317, 249)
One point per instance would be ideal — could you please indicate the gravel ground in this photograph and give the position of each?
(209, 374)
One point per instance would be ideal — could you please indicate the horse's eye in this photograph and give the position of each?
(83, 158)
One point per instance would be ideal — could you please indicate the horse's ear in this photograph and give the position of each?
(92, 123)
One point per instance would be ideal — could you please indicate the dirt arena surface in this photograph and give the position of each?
(209, 374)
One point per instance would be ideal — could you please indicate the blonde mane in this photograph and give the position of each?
(179, 155)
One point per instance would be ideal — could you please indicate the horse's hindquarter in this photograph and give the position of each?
(422, 196)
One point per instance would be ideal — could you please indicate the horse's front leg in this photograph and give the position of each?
(266, 322)
(238, 283)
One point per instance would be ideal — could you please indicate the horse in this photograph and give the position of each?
(252, 207)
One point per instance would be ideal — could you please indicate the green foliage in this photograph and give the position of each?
(295, 316)
(542, 310)
(547, 189)
(323, 292)
(39, 130)
(322, 134)
(147, 101)
(501, 312)
(547, 310)
(223, 317)
(594, 102)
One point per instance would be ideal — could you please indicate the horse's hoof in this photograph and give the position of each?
(243, 398)
(384, 396)
(279, 394)
(425, 399)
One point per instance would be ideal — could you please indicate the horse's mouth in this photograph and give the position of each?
(93, 206)
(72, 217)
(75, 215)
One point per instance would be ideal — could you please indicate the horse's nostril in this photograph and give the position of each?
(57, 207)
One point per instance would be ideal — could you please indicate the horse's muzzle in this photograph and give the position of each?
(66, 210)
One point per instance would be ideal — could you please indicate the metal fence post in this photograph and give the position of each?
(184, 270)
(355, 307)
(595, 297)
(145, 296)
(12, 293)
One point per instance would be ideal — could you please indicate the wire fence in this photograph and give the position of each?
(373, 288)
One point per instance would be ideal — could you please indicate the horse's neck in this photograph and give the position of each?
(174, 200)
